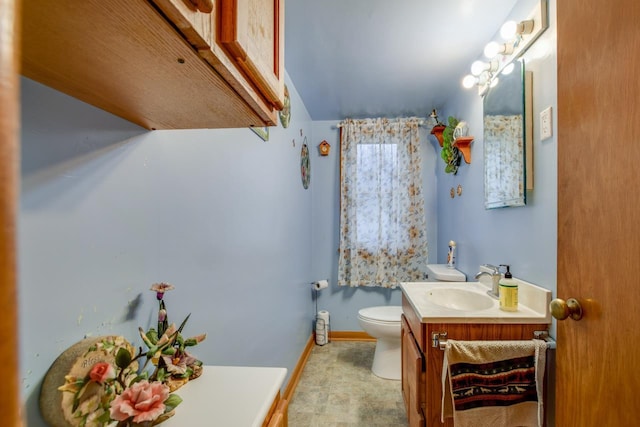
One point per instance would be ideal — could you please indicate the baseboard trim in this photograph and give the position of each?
(297, 371)
(350, 336)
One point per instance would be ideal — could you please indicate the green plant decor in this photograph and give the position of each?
(449, 153)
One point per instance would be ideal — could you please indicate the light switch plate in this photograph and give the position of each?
(545, 124)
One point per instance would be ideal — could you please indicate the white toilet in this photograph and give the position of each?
(383, 323)
(442, 273)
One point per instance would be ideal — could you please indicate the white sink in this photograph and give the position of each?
(459, 299)
(468, 302)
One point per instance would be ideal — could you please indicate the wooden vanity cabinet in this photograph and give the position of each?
(156, 63)
(425, 386)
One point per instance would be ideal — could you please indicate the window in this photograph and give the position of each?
(382, 224)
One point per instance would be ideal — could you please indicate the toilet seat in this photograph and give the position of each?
(381, 314)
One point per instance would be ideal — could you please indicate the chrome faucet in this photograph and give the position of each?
(495, 279)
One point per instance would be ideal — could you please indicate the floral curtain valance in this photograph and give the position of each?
(382, 223)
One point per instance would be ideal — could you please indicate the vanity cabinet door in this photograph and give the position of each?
(434, 357)
(413, 376)
(252, 33)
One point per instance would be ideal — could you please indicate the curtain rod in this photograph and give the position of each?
(341, 123)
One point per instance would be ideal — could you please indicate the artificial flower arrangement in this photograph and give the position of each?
(115, 391)
(444, 134)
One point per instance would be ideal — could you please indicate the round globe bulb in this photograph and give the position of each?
(469, 81)
(508, 69)
(508, 30)
(491, 50)
(478, 67)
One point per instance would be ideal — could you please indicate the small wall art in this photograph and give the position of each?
(324, 148)
(285, 113)
(305, 167)
(262, 132)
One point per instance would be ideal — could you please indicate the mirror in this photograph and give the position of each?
(505, 139)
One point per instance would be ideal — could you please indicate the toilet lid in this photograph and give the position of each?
(388, 313)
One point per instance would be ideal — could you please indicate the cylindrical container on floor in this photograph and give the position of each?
(322, 327)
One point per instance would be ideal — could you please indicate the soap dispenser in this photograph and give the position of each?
(508, 291)
(451, 255)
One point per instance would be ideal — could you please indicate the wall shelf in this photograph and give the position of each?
(463, 143)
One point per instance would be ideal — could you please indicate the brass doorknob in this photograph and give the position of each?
(561, 309)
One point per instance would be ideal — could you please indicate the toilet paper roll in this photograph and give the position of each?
(323, 315)
(322, 327)
(321, 284)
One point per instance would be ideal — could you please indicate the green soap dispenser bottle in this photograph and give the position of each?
(508, 291)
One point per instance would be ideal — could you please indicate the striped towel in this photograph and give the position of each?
(493, 383)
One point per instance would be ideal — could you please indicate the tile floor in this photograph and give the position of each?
(337, 389)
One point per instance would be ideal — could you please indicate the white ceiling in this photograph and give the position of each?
(372, 58)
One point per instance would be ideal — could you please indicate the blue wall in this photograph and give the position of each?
(523, 237)
(343, 303)
(108, 208)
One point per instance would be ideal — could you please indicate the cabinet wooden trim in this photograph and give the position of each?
(126, 58)
(9, 177)
(252, 32)
(413, 377)
(414, 322)
(201, 31)
(279, 418)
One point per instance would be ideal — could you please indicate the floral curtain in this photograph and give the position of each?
(503, 160)
(382, 223)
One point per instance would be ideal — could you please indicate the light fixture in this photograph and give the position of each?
(493, 49)
(511, 29)
(518, 36)
(478, 67)
(470, 80)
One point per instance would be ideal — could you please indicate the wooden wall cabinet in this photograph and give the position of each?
(252, 33)
(425, 386)
(156, 63)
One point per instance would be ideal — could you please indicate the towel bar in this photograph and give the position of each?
(544, 336)
(439, 339)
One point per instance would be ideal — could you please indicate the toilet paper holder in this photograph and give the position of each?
(320, 284)
(322, 329)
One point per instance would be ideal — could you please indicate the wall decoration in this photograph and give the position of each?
(450, 153)
(324, 148)
(98, 381)
(262, 132)
(305, 170)
(285, 113)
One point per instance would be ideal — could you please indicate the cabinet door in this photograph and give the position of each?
(196, 26)
(412, 377)
(252, 32)
(201, 30)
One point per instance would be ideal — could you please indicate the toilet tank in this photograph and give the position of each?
(442, 273)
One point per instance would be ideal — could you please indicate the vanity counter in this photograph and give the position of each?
(230, 396)
(533, 307)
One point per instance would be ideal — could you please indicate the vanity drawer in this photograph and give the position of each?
(417, 327)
